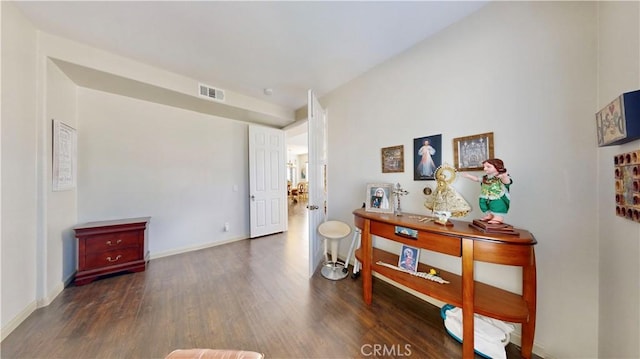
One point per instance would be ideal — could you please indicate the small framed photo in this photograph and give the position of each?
(469, 152)
(392, 159)
(378, 197)
(427, 156)
(406, 232)
(409, 258)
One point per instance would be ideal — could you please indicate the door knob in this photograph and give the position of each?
(312, 207)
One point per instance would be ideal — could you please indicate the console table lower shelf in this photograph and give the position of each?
(488, 300)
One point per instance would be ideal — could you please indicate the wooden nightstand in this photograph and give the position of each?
(108, 247)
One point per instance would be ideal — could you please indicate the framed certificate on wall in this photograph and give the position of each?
(65, 159)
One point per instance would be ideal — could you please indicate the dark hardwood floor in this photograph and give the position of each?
(250, 295)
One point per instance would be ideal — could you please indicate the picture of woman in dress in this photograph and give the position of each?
(379, 199)
(409, 258)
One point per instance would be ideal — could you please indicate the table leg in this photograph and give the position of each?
(529, 295)
(467, 298)
(367, 257)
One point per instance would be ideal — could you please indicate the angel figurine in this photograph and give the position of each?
(494, 197)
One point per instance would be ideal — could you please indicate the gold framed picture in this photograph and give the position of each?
(469, 152)
(392, 159)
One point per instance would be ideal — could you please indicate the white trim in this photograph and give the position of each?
(194, 248)
(18, 319)
(57, 289)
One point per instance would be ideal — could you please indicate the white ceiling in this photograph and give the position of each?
(246, 47)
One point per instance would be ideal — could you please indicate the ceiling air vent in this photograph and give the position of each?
(211, 93)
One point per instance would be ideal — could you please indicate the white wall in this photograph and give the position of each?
(526, 72)
(18, 131)
(58, 210)
(204, 177)
(618, 72)
(139, 159)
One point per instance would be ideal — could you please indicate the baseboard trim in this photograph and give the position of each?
(39, 303)
(194, 248)
(18, 319)
(43, 302)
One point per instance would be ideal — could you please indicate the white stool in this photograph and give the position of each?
(333, 231)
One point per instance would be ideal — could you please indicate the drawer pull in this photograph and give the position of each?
(115, 259)
(109, 243)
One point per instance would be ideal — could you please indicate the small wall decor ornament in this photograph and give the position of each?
(627, 185)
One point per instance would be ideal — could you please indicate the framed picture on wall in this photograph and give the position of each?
(64, 156)
(392, 159)
(627, 185)
(469, 152)
(378, 197)
(427, 156)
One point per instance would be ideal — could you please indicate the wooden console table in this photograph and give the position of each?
(107, 247)
(471, 244)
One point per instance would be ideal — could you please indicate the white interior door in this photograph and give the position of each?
(317, 179)
(267, 181)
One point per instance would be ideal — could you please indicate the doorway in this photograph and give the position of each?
(296, 138)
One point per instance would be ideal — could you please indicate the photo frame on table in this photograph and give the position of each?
(392, 159)
(65, 156)
(409, 258)
(427, 156)
(378, 198)
(469, 152)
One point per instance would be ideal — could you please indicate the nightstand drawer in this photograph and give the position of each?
(115, 257)
(112, 241)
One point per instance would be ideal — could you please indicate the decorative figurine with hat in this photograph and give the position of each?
(494, 197)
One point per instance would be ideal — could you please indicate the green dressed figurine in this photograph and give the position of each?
(494, 197)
